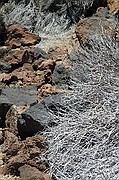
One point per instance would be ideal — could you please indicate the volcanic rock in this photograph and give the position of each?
(44, 65)
(5, 68)
(39, 53)
(88, 28)
(30, 173)
(4, 108)
(17, 36)
(25, 75)
(46, 90)
(17, 56)
(18, 153)
(19, 96)
(42, 114)
(4, 50)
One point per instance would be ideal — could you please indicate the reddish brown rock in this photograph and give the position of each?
(14, 163)
(16, 56)
(46, 90)
(11, 120)
(17, 153)
(37, 64)
(26, 76)
(30, 173)
(44, 65)
(17, 36)
(11, 145)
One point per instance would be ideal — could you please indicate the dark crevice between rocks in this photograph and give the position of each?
(4, 108)
(27, 127)
(9, 68)
(96, 4)
(3, 34)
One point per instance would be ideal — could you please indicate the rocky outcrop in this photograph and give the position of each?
(18, 153)
(18, 36)
(26, 77)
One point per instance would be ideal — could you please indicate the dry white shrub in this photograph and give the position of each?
(40, 16)
(84, 145)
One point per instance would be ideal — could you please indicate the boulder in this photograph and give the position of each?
(41, 114)
(88, 28)
(39, 53)
(31, 173)
(16, 57)
(17, 36)
(15, 96)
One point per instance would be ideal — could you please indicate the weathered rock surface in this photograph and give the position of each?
(44, 65)
(30, 173)
(42, 113)
(113, 6)
(18, 153)
(17, 36)
(88, 28)
(46, 90)
(5, 68)
(16, 96)
(17, 56)
(19, 96)
(4, 50)
(33, 120)
(26, 76)
(39, 53)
